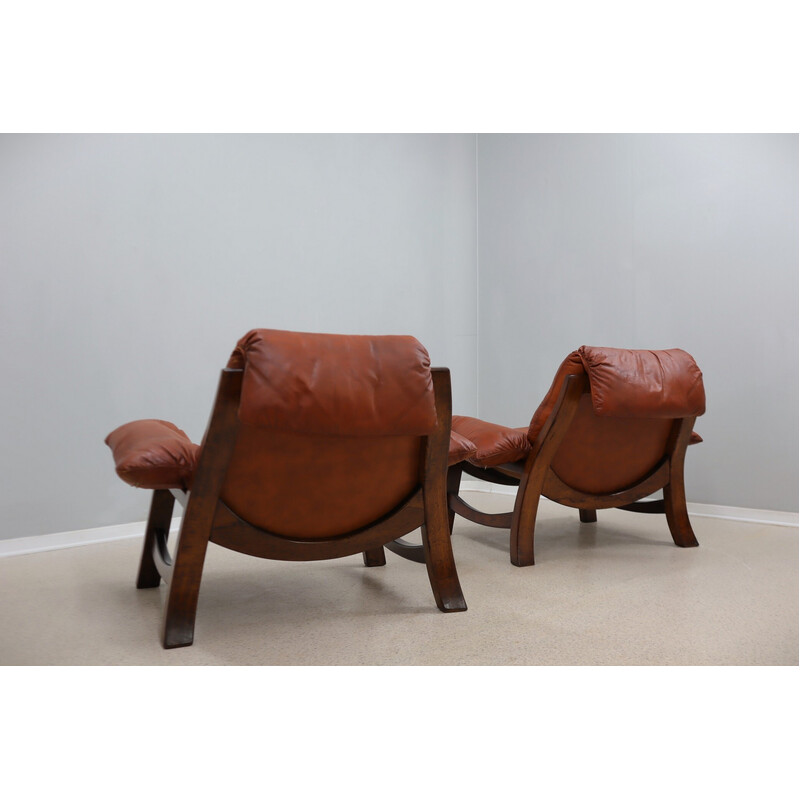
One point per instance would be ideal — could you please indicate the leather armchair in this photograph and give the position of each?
(319, 446)
(612, 430)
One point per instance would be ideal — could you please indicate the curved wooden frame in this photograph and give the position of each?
(207, 518)
(536, 478)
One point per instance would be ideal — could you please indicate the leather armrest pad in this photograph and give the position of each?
(461, 449)
(153, 454)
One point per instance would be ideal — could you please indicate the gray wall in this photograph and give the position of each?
(132, 264)
(650, 241)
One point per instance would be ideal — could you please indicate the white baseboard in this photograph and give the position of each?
(762, 516)
(132, 530)
(60, 541)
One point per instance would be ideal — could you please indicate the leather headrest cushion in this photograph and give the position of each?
(330, 384)
(643, 383)
(630, 383)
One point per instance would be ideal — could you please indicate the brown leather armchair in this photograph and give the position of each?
(319, 446)
(612, 430)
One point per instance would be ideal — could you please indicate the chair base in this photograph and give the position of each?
(522, 520)
(374, 557)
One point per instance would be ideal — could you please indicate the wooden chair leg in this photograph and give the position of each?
(674, 491)
(376, 557)
(523, 525)
(184, 585)
(526, 506)
(438, 551)
(453, 487)
(588, 514)
(158, 523)
(677, 516)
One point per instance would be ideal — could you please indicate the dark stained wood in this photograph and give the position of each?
(587, 514)
(416, 552)
(411, 552)
(457, 505)
(436, 541)
(511, 473)
(453, 487)
(190, 552)
(464, 509)
(538, 465)
(674, 492)
(375, 557)
(494, 474)
(645, 507)
(555, 489)
(234, 533)
(443, 577)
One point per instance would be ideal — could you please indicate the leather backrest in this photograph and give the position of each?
(571, 365)
(330, 384)
(313, 487)
(621, 429)
(657, 384)
(331, 430)
(603, 455)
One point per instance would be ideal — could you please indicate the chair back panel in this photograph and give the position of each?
(331, 384)
(644, 383)
(621, 429)
(331, 430)
(312, 487)
(602, 455)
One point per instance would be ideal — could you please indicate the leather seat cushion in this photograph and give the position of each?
(153, 454)
(495, 444)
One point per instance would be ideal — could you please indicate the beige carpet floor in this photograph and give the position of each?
(617, 592)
